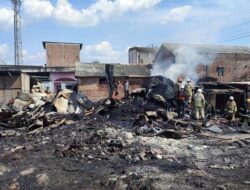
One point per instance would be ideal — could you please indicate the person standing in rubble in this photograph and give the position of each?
(189, 92)
(199, 104)
(181, 101)
(116, 91)
(178, 86)
(47, 91)
(231, 109)
(126, 89)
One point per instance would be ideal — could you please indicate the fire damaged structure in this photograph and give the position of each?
(58, 72)
(21, 78)
(142, 55)
(84, 138)
(217, 94)
(93, 83)
(226, 64)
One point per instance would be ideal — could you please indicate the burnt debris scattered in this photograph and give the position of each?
(144, 132)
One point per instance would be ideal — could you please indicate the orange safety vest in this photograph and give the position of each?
(181, 95)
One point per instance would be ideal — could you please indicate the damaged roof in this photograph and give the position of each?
(98, 70)
(212, 49)
(146, 49)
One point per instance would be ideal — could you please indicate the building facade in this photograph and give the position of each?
(219, 63)
(21, 78)
(142, 55)
(92, 81)
(61, 54)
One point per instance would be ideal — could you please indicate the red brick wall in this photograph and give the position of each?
(91, 88)
(62, 55)
(236, 68)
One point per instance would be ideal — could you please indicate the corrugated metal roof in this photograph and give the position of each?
(95, 69)
(213, 49)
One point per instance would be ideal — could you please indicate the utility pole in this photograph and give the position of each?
(17, 32)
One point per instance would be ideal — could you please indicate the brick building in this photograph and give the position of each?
(142, 55)
(224, 63)
(92, 81)
(60, 54)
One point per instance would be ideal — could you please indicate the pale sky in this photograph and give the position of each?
(108, 28)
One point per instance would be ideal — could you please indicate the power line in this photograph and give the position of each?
(235, 36)
(240, 37)
(243, 23)
(235, 31)
(232, 32)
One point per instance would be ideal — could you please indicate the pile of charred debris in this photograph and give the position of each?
(68, 142)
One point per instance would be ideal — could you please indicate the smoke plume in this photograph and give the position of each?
(183, 64)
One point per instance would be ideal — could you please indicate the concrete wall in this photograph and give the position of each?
(95, 91)
(25, 81)
(9, 86)
(59, 75)
(62, 55)
(132, 56)
(140, 56)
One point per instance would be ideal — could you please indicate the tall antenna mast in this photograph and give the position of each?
(17, 32)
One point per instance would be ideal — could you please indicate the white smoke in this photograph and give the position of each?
(185, 64)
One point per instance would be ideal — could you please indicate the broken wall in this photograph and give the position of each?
(9, 86)
(25, 81)
(96, 88)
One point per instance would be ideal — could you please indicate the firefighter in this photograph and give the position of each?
(231, 109)
(199, 104)
(181, 101)
(189, 92)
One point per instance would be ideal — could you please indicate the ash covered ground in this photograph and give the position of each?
(96, 154)
(130, 145)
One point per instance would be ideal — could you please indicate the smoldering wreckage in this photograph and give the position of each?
(68, 142)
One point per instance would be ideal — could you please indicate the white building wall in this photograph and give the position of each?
(137, 56)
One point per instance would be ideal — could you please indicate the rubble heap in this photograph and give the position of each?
(151, 110)
(34, 112)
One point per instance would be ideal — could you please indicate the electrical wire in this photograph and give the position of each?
(240, 37)
(236, 25)
(234, 36)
